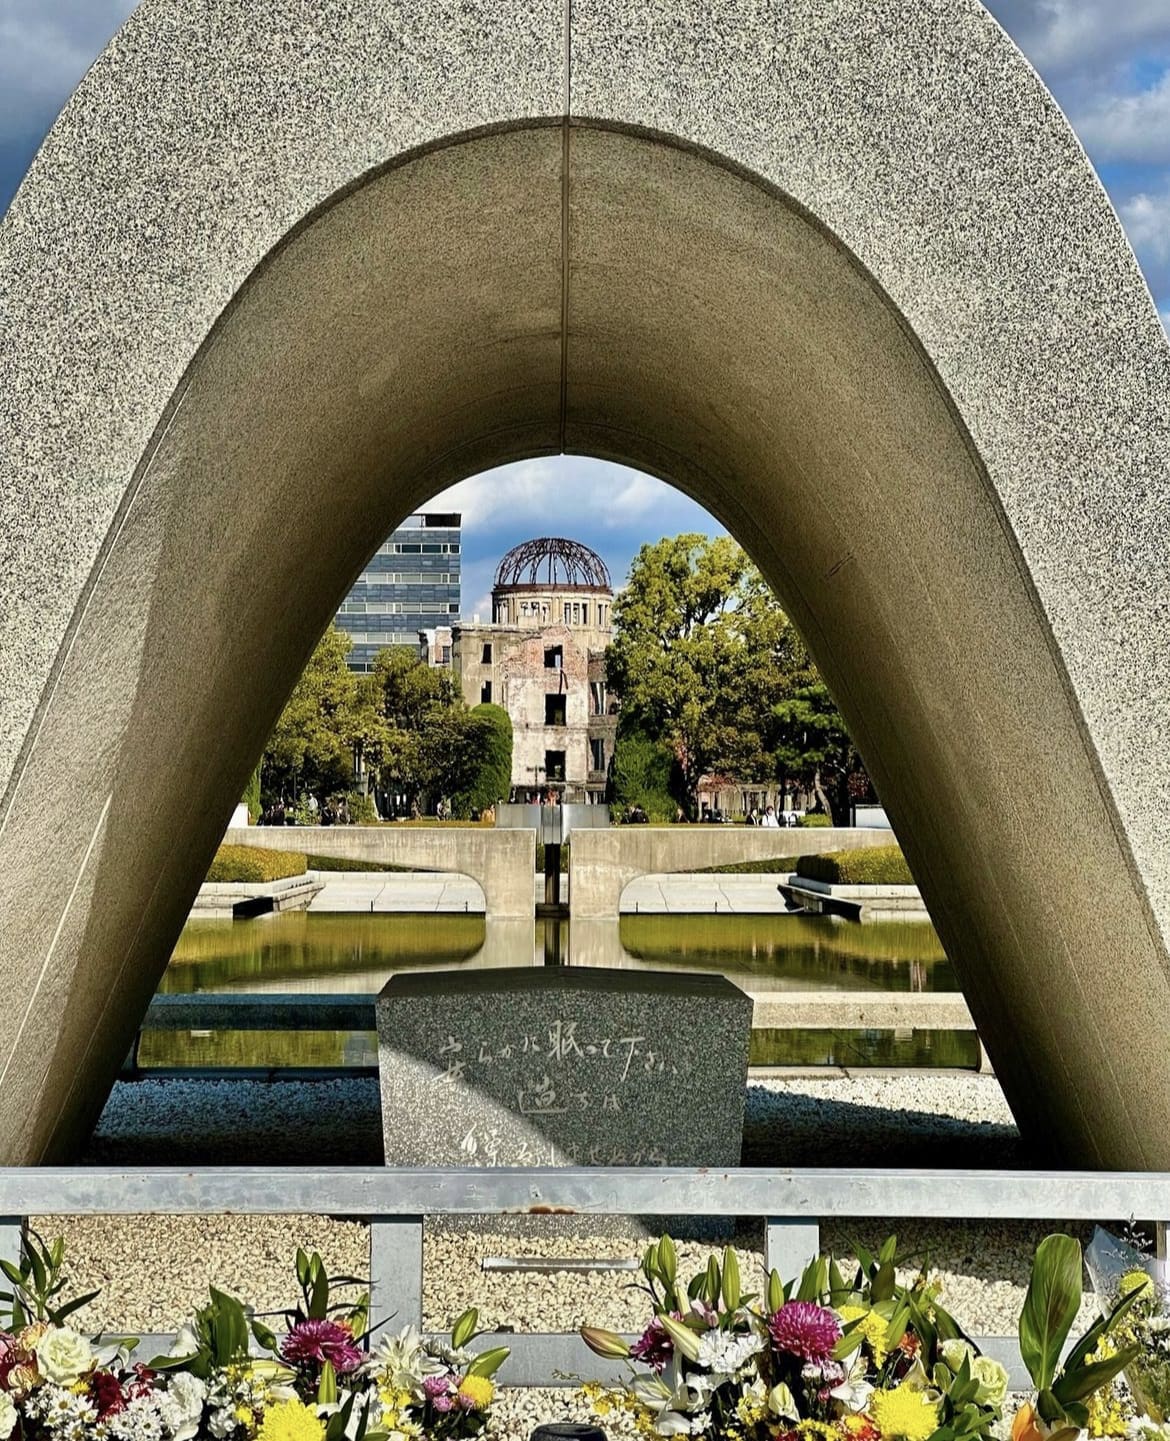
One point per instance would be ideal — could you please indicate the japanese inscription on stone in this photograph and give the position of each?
(548, 1067)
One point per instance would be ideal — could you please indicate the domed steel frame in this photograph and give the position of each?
(568, 565)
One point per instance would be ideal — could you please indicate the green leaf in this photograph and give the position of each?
(884, 1282)
(1050, 1307)
(731, 1284)
(487, 1363)
(1079, 1383)
(319, 1291)
(464, 1329)
(1088, 1342)
(327, 1386)
(68, 1309)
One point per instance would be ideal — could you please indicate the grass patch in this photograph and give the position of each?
(870, 866)
(434, 823)
(252, 865)
(775, 866)
(343, 863)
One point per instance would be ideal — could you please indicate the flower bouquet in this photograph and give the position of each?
(1070, 1394)
(824, 1357)
(1120, 1271)
(228, 1376)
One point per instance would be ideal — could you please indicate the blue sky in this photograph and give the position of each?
(1106, 61)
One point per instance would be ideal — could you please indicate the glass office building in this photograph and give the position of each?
(410, 585)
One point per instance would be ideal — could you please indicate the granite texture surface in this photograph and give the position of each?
(839, 268)
(534, 1067)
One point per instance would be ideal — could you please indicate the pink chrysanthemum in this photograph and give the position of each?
(802, 1329)
(322, 1341)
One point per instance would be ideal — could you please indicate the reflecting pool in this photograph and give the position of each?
(357, 953)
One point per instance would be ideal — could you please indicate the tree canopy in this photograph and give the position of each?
(706, 662)
(405, 720)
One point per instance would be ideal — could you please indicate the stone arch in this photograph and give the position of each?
(840, 270)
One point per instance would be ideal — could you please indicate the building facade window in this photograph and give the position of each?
(407, 586)
(485, 693)
(555, 710)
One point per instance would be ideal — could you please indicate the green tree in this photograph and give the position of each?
(810, 742)
(310, 750)
(487, 752)
(643, 775)
(702, 652)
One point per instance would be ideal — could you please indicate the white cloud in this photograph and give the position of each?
(1064, 37)
(46, 46)
(1134, 127)
(560, 495)
(1147, 220)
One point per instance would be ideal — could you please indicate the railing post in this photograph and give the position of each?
(11, 1238)
(396, 1271)
(790, 1245)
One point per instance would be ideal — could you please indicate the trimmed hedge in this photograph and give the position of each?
(777, 866)
(815, 818)
(871, 866)
(342, 863)
(253, 866)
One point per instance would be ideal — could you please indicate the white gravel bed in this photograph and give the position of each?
(154, 1269)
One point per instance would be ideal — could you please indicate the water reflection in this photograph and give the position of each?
(357, 953)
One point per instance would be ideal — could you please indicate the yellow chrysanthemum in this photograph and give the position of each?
(872, 1327)
(751, 1408)
(822, 1429)
(1135, 1280)
(904, 1412)
(479, 1390)
(291, 1421)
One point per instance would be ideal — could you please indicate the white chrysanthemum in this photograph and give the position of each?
(63, 1355)
(726, 1352)
(7, 1416)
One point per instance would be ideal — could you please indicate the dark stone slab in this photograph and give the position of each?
(539, 1066)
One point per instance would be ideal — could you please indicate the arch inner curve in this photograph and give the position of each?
(483, 303)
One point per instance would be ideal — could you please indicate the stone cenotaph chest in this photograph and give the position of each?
(540, 1066)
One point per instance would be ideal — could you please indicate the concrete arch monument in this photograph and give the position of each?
(838, 268)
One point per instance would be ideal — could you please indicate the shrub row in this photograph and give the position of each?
(814, 818)
(872, 866)
(342, 863)
(775, 866)
(251, 865)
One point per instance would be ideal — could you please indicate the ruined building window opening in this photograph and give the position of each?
(554, 657)
(597, 753)
(556, 710)
(486, 658)
(554, 765)
(596, 697)
(485, 693)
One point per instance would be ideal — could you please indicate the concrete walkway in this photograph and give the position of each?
(685, 895)
(415, 892)
(424, 892)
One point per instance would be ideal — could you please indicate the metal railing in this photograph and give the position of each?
(394, 1203)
